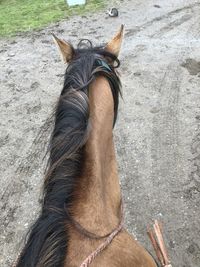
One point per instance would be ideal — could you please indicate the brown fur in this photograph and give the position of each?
(98, 206)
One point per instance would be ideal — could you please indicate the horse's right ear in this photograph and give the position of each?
(66, 50)
(114, 45)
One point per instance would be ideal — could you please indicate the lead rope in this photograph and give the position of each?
(108, 240)
(158, 243)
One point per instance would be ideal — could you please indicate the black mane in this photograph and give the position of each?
(47, 242)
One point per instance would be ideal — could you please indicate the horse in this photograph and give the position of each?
(81, 219)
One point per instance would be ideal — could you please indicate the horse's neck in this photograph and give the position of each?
(99, 203)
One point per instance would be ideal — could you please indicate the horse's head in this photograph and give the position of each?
(110, 50)
(87, 62)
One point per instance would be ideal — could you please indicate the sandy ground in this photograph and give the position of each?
(157, 134)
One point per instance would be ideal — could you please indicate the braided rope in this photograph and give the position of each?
(104, 245)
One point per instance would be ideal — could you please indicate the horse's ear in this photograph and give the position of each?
(66, 50)
(115, 43)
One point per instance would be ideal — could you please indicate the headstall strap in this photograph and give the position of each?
(104, 245)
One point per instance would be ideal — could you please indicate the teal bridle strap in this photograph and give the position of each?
(104, 64)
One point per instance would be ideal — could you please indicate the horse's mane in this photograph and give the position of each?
(46, 245)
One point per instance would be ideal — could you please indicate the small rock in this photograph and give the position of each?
(157, 6)
(34, 85)
(154, 110)
(11, 54)
(137, 73)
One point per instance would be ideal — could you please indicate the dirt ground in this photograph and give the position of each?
(158, 130)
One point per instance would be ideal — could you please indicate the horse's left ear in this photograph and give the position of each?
(66, 50)
(114, 45)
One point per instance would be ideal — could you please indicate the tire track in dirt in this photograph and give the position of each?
(165, 131)
(191, 188)
(166, 161)
(192, 185)
(165, 165)
(132, 32)
(194, 30)
(170, 26)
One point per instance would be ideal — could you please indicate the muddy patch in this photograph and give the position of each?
(192, 66)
